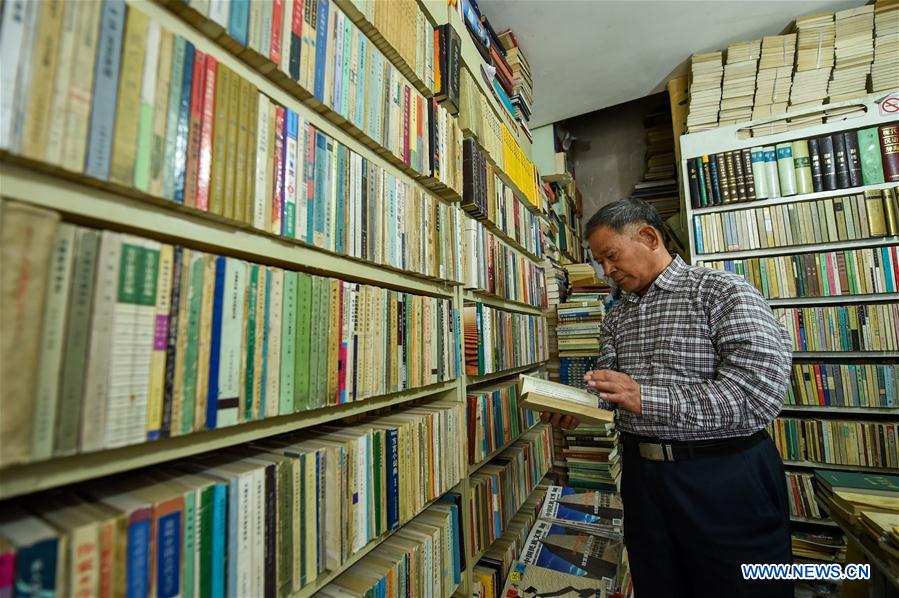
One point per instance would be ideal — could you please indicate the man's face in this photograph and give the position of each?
(626, 257)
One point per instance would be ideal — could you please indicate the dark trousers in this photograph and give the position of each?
(688, 525)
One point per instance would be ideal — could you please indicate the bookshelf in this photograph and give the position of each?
(107, 206)
(739, 137)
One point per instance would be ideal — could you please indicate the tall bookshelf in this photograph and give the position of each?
(103, 205)
(753, 134)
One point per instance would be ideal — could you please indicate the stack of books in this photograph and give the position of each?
(814, 60)
(582, 275)
(580, 323)
(828, 546)
(854, 49)
(592, 457)
(738, 92)
(522, 84)
(775, 76)
(659, 184)
(885, 70)
(847, 495)
(705, 91)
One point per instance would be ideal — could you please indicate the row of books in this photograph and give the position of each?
(863, 444)
(802, 496)
(259, 520)
(839, 161)
(591, 454)
(330, 58)
(497, 339)
(495, 419)
(579, 325)
(491, 571)
(823, 274)
(873, 327)
(844, 385)
(178, 124)
(446, 143)
(572, 369)
(499, 489)
(123, 339)
(853, 217)
(492, 266)
(422, 559)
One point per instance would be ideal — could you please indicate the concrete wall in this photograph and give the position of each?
(614, 163)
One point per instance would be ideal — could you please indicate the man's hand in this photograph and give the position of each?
(567, 422)
(617, 388)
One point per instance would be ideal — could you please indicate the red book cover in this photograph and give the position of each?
(895, 251)
(310, 176)
(831, 285)
(819, 384)
(204, 152)
(277, 19)
(279, 170)
(419, 132)
(889, 151)
(797, 497)
(197, 96)
(406, 97)
(108, 538)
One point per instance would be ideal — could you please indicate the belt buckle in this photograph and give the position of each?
(656, 452)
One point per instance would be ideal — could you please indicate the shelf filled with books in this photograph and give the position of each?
(495, 421)
(498, 341)
(810, 217)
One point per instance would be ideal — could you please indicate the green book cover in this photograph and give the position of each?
(376, 476)
(207, 511)
(171, 130)
(301, 400)
(314, 342)
(870, 156)
(250, 343)
(288, 342)
(325, 340)
(190, 538)
(191, 342)
(147, 108)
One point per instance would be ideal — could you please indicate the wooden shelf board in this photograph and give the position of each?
(476, 466)
(474, 380)
(494, 301)
(91, 202)
(32, 477)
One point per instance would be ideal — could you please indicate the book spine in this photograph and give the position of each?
(76, 128)
(274, 42)
(759, 178)
(15, 30)
(321, 45)
(156, 175)
(46, 49)
(173, 112)
(715, 181)
(106, 79)
(803, 167)
(735, 167)
(850, 140)
(889, 148)
(194, 131)
(869, 153)
(156, 391)
(296, 38)
(243, 183)
(231, 199)
(238, 20)
(290, 175)
(58, 106)
(840, 160)
(171, 413)
(128, 102)
(786, 169)
(828, 162)
(771, 171)
(814, 153)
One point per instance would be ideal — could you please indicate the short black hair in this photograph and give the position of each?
(624, 212)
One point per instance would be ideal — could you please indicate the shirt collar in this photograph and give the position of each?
(668, 280)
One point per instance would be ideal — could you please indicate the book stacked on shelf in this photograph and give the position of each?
(851, 443)
(445, 141)
(848, 495)
(775, 76)
(509, 215)
(814, 60)
(841, 160)
(499, 489)
(844, 385)
(706, 72)
(824, 274)
(872, 327)
(802, 497)
(738, 88)
(263, 519)
(492, 569)
(476, 117)
(592, 457)
(885, 68)
(495, 419)
(497, 339)
(422, 559)
(853, 53)
(519, 168)
(491, 266)
(522, 84)
(869, 215)
(590, 510)
(212, 341)
(659, 183)
(175, 123)
(825, 545)
(580, 324)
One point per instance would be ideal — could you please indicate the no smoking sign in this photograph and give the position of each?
(890, 105)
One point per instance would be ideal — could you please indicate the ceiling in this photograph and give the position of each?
(591, 54)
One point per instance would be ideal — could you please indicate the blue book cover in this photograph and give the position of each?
(219, 527)
(337, 85)
(37, 568)
(497, 522)
(457, 544)
(215, 344)
(888, 274)
(348, 30)
(889, 385)
(697, 226)
(317, 224)
(106, 85)
(233, 530)
(137, 573)
(327, 205)
(339, 244)
(187, 75)
(238, 20)
(592, 509)
(569, 550)
(359, 116)
(393, 508)
(321, 48)
(168, 555)
(289, 201)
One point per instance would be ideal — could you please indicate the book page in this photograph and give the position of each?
(554, 390)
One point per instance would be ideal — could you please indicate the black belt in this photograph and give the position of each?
(656, 449)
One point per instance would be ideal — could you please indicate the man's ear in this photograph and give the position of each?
(649, 236)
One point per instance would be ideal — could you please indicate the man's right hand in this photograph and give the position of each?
(560, 420)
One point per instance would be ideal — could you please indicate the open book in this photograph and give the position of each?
(543, 395)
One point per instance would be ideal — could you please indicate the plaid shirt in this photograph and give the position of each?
(710, 357)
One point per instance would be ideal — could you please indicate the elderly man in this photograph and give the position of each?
(697, 365)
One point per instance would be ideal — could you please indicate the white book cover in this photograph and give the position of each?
(257, 553)
(219, 12)
(262, 160)
(357, 207)
(246, 522)
(273, 360)
(265, 43)
(16, 44)
(81, 87)
(231, 342)
(254, 25)
(147, 105)
(59, 100)
(52, 342)
(301, 216)
(286, 22)
(201, 6)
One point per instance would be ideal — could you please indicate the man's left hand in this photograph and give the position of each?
(616, 387)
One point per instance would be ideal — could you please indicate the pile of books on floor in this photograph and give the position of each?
(738, 90)
(574, 548)
(854, 51)
(774, 78)
(592, 457)
(827, 545)
(522, 97)
(885, 69)
(814, 60)
(705, 91)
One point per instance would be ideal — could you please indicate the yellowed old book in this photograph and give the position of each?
(543, 395)
(250, 176)
(81, 87)
(240, 162)
(270, 166)
(891, 211)
(59, 102)
(334, 329)
(259, 355)
(160, 340)
(219, 139)
(37, 116)
(124, 146)
(160, 105)
(187, 257)
(231, 135)
(205, 342)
